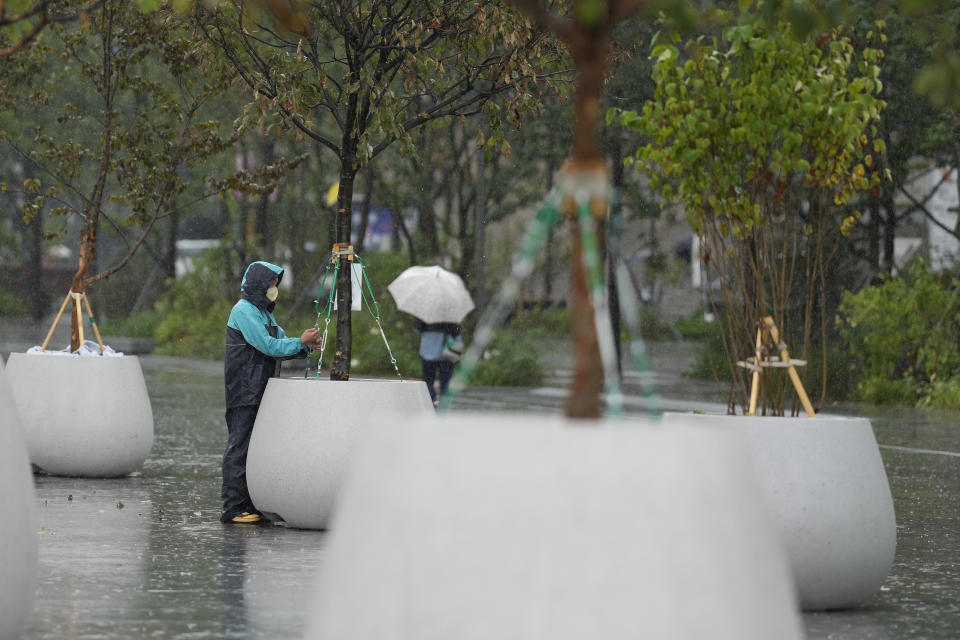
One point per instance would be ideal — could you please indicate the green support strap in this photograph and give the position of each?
(374, 311)
(533, 241)
(335, 262)
(369, 300)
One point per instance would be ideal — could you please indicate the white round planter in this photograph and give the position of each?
(303, 436)
(83, 416)
(525, 527)
(829, 495)
(18, 531)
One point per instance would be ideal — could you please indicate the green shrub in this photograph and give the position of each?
(142, 325)
(194, 310)
(710, 362)
(902, 336)
(694, 326)
(839, 373)
(553, 323)
(369, 355)
(942, 394)
(193, 337)
(879, 390)
(11, 305)
(652, 326)
(513, 362)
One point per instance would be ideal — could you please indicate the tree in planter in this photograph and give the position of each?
(114, 154)
(763, 138)
(361, 75)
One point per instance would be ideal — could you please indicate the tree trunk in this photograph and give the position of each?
(258, 228)
(479, 237)
(889, 231)
(586, 167)
(873, 233)
(401, 226)
(37, 298)
(587, 385)
(344, 222)
(88, 245)
(170, 251)
(427, 225)
(615, 229)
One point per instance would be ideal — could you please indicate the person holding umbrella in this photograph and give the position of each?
(439, 301)
(434, 339)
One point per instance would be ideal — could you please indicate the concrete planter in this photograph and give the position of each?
(829, 495)
(83, 416)
(480, 526)
(303, 436)
(18, 552)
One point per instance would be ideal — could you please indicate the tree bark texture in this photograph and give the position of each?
(344, 223)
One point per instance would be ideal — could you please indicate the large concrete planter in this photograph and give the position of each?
(479, 526)
(18, 531)
(828, 492)
(304, 434)
(83, 416)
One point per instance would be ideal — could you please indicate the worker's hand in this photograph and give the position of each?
(310, 338)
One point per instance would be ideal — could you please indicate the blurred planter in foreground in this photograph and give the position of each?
(480, 526)
(828, 493)
(83, 416)
(304, 435)
(18, 552)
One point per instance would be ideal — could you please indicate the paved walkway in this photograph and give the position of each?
(162, 566)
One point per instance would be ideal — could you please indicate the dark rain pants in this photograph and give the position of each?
(236, 498)
(430, 368)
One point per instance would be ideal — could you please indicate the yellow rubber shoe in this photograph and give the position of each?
(246, 518)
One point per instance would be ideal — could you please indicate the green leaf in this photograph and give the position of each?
(148, 6)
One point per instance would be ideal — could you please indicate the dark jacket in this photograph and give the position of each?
(449, 328)
(255, 341)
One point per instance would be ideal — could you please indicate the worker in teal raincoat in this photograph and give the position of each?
(255, 345)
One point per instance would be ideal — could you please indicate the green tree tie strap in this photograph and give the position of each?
(374, 310)
(335, 262)
(533, 241)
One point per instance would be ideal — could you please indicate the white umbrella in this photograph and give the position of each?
(432, 294)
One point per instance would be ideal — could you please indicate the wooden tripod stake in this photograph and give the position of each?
(768, 331)
(77, 297)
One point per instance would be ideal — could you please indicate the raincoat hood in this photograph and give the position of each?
(256, 280)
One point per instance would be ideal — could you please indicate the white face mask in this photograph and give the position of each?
(272, 294)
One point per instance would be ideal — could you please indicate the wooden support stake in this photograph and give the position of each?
(77, 297)
(785, 357)
(56, 321)
(755, 382)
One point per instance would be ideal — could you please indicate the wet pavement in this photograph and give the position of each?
(146, 557)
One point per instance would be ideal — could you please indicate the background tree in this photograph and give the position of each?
(762, 137)
(109, 129)
(918, 134)
(362, 75)
(21, 22)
